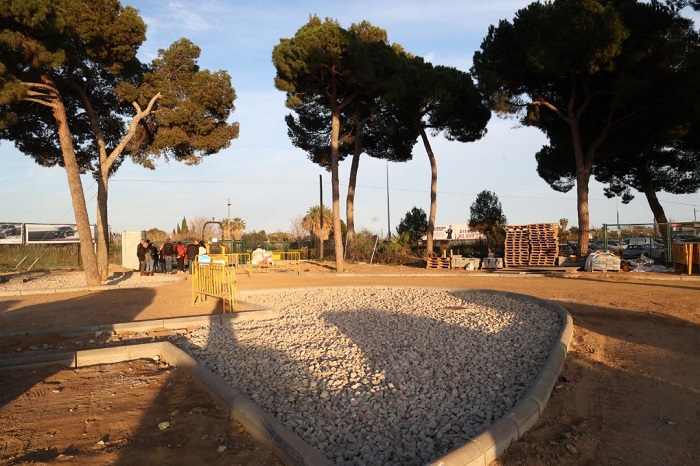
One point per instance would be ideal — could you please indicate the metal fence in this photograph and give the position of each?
(654, 240)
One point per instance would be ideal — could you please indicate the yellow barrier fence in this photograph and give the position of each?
(277, 260)
(216, 280)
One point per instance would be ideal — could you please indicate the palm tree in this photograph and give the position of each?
(312, 222)
(236, 228)
(233, 227)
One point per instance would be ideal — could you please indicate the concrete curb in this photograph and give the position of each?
(481, 450)
(262, 426)
(91, 288)
(156, 324)
(490, 444)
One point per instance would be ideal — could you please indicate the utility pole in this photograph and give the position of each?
(229, 210)
(388, 216)
(320, 188)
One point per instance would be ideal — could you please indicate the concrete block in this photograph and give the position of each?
(524, 414)
(177, 357)
(42, 291)
(35, 360)
(259, 424)
(115, 354)
(75, 289)
(555, 360)
(190, 322)
(109, 355)
(216, 387)
(542, 388)
(134, 326)
(289, 445)
(497, 438)
(469, 454)
(264, 314)
(73, 330)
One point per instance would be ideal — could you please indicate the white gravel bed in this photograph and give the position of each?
(382, 375)
(53, 280)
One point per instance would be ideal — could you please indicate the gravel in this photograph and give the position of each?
(382, 375)
(55, 280)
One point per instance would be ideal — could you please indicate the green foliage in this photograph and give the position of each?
(253, 238)
(486, 216)
(312, 222)
(184, 228)
(396, 250)
(364, 245)
(582, 71)
(414, 224)
(485, 212)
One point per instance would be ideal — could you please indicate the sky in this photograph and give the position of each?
(263, 179)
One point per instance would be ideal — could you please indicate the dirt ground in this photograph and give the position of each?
(629, 392)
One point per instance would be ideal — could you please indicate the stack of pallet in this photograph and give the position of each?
(517, 251)
(439, 263)
(544, 244)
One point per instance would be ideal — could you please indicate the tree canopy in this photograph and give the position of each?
(439, 100)
(326, 70)
(97, 102)
(581, 70)
(486, 216)
(414, 223)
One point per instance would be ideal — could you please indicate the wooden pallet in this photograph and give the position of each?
(438, 263)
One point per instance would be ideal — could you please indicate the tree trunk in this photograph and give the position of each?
(87, 251)
(335, 187)
(433, 191)
(102, 224)
(582, 189)
(656, 207)
(350, 202)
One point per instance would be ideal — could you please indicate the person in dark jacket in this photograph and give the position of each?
(192, 251)
(167, 252)
(141, 254)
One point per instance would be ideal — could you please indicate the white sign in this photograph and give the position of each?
(455, 231)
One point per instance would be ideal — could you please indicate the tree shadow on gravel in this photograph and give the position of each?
(411, 385)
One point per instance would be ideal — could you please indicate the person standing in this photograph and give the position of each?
(149, 257)
(192, 250)
(167, 252)
(180, 251)
(141, 254)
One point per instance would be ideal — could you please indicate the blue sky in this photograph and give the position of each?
(269, 182)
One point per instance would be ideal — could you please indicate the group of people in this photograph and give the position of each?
(153, 259)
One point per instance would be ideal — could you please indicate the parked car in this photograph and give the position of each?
(652, 251)
(8, 230)
(63, 232)
(616, 245)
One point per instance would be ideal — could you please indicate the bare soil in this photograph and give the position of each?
(629, 392)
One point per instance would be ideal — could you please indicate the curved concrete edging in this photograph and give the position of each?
(262, 426)
(480, 450)
(117, 286)
(491, 443)
(155, 324)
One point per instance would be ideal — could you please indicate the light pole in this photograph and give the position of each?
(388, 216)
